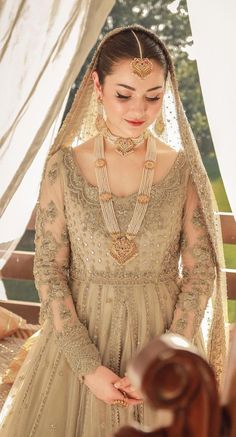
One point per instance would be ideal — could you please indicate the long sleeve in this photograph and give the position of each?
(51, 272)
(198, 268)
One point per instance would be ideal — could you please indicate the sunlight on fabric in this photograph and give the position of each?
(42, 51)
(171, 134)
(47, 64)
(3, 294)
(175, 340)
(11, 228)
(214, 35)
(206, 321)
(31, 94)
(10, 161)
(19, 381)
(7, 407)
(23, 201)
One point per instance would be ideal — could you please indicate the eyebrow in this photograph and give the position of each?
(133, 89)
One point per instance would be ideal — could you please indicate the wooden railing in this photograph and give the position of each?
(20, 266)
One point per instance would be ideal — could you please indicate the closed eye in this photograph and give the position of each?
(120, 96)
(150, 99)
(153, 98)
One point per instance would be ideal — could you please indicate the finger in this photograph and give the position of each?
(129, 389)
(136, 397)
(132, 392)
(123, 382)
(134, 401)
(117, 394)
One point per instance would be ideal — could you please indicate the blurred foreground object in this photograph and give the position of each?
(173, 378)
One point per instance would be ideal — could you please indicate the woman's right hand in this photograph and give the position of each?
(101, 381)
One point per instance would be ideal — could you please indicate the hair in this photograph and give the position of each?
(124, 45)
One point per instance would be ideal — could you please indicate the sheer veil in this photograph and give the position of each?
(79, 125)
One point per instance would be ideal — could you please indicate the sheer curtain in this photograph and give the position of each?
(214, 36)
(42, 48)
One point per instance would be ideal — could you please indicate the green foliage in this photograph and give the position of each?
(191, 96)
(213, 172)
(221, 196)
(230, 256)
(232, 311)
(174, 29)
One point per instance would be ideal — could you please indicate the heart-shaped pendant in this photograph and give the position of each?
(124, 146)
(142, 67)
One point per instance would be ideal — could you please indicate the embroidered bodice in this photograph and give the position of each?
(72, 246)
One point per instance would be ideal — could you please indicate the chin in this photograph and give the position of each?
(134, 131)
(126, 131)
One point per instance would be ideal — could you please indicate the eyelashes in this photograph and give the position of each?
(150, 99)
(120, 96)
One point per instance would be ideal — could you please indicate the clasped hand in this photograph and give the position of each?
(124, 385)
(108, 387)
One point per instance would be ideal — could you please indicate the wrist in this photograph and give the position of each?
(91, 373)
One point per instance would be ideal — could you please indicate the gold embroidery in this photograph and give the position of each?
(51, 272)
(198, 275)
(53, 173)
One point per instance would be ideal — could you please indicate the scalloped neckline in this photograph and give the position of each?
(95, 187)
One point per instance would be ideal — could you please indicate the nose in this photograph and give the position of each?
(138, 108)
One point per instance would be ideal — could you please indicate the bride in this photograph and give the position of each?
(127, 246)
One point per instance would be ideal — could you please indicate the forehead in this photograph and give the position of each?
(122, 73)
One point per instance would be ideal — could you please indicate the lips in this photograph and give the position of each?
(135, 122)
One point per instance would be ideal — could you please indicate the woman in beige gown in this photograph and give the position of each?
(97, 311)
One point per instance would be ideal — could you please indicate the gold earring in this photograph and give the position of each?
(160, 125)
(99, 122)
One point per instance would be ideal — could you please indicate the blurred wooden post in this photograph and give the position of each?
(229, 391)
(173, 377)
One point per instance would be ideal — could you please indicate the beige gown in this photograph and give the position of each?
(96, 312)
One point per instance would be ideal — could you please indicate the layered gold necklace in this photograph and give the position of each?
(123, 247)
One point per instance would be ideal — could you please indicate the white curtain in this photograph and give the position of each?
(214, 37)
(42, 48)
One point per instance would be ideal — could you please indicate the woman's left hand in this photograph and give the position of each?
(125, 385)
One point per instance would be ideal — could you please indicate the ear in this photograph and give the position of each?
(97, 86)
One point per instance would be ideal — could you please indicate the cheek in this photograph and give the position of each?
(115, 108)
(154, 109)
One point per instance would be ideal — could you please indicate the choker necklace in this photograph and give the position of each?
(123, 247)
(124, 146)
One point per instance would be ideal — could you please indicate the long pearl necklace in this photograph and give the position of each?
(123, 247)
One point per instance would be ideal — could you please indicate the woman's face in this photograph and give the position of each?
(126, 97)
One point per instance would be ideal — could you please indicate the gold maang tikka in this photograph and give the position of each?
(142, 67)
